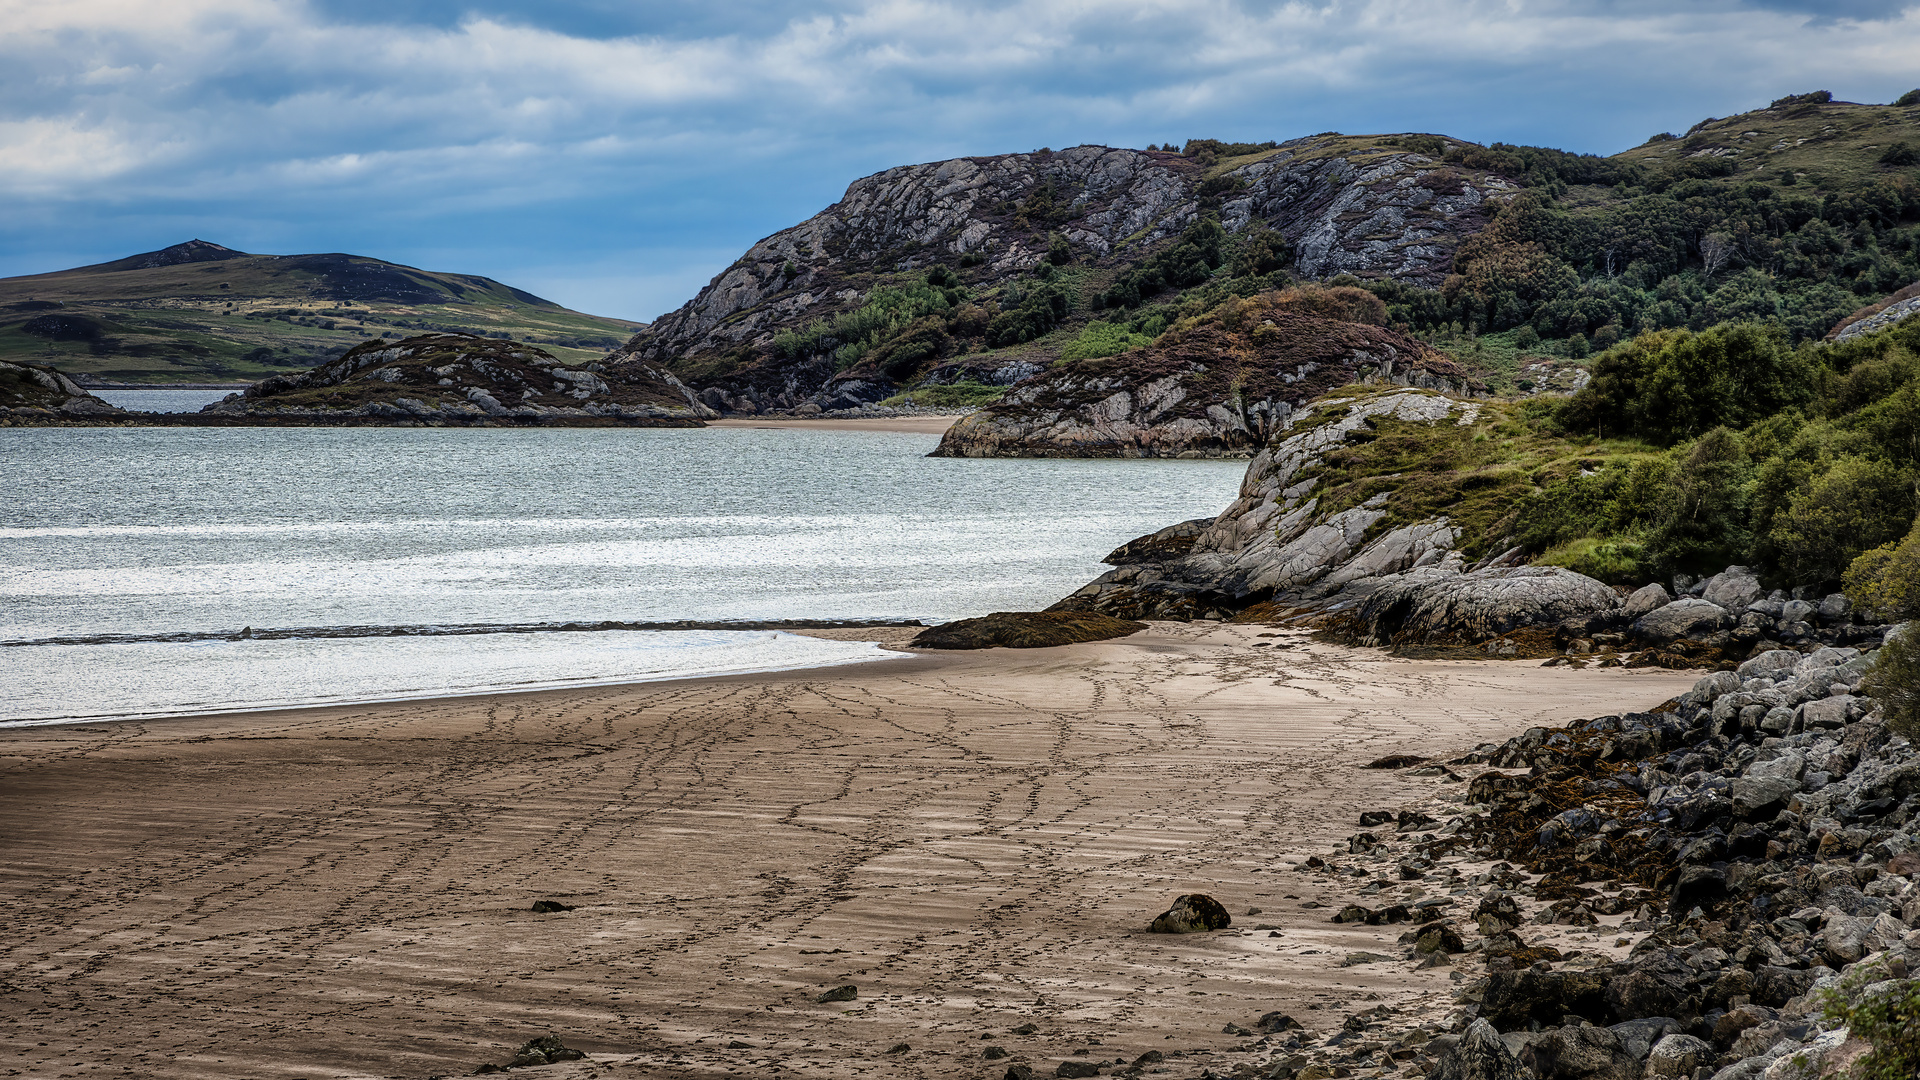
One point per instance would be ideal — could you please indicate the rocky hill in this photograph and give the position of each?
(463, 380)
(1323, 205)
(198, 312)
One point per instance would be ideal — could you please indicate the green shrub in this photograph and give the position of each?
(1670, 385)
(1894, 683)
(1100, 339)
(1899, 154)
(1190, 261)
(1886, 579)
(966, 394)
(1911, 97)
(1854, 505)
(1059, 253)
(1889, 1020)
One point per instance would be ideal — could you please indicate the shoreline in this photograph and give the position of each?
(918, 425)
(974, 839)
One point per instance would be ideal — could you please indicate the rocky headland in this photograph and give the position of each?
(464, 380)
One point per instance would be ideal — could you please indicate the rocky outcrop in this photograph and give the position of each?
(1024, 630)
(1192, 913)
(464, 380)
(1276, 542)
(1346, 205)
(33, 394)
(1219, 389)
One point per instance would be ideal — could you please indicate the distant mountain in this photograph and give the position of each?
(199, 311)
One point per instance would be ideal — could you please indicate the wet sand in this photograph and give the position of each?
(919, 425)
(975, 840)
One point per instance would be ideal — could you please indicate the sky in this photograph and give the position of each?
(613, 155)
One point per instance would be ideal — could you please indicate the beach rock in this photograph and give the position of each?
(1676, 1056)
(1513, 999)
(545, 907)
(995, 1053)
(1076, 1068)
(546, 1050)
(1637, 1037)
(1733, 589)
(1579, 1052)
(839, 993)
(1688, 618)
(1479, 1055)
(1190, 914)
(1645, 599)
(1024, 630)
(1273, 1022)
(1019, 1072)
(1438, 607)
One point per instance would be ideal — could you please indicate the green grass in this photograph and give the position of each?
(960, 395)
(1835, 146)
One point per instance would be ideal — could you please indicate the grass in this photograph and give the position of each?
(1835, 146)
(960, 395)
(1473, 474)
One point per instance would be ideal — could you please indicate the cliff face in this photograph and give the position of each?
(1219, 389)
(464, 380)
(1346, 205)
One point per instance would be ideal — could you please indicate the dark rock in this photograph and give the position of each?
(1192, 913)
(548, 906)
(1696, 886)
(1076, 1068)
(1439, 937)
(1479, 1055)
(1395, 761)
(1514, 999)
(1637, 1037)
(899, 1048)
(1154, 1057)
(1371, 818)
(1019, 1072)
(546, 1050)
(1579, 1052)
(1024, 630)
(1276, 1021)
(1497, 913)
(1025, 1029)
(839, 993)
(995, 1053)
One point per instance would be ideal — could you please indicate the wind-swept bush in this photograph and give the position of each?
(1671, 385)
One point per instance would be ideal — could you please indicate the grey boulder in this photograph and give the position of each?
(1644, 599)
(1479, 1055)
(1442, 607)
(1682, 619)
(1677, 1056)
(1733, 588)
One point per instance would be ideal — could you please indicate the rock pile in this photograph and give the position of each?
(31, 394)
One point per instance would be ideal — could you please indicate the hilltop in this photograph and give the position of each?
(949, 282)
(198, 311)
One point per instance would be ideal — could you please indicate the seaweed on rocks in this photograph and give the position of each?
(1024, 630)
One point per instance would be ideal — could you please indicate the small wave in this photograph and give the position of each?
(308, 633)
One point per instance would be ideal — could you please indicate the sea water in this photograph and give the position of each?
(161, 571)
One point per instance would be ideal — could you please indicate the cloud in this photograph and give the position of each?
(679, 129)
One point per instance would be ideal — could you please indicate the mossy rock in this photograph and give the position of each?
(1025, 630)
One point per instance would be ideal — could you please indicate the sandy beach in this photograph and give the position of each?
(919, 425)
(977, 841)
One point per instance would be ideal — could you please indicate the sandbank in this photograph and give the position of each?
(975, 840)
(919, 425)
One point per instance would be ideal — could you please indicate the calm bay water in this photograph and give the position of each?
(131, 558)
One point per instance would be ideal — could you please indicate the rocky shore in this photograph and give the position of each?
(1702, 892)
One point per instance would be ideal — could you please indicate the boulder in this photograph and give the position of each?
(1691, 619)
(1440, 607)
(1515, 999)
(1825, 714)
(1645, 599)
(1835, 608)
(1191, 914)
(1579, 1052)
(1677, 1056)
(1762, 796)
(1076, 1068)
(838, 993)
(1772, 664)
(1637, 1037)
(1733, 588)
(1479, 1055)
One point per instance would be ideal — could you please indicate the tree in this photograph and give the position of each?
(1715, 249)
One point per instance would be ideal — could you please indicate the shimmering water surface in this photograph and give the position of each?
(163, 401)
(129, 557)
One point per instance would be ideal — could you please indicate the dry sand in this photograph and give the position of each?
(919, 425)
(975, 840)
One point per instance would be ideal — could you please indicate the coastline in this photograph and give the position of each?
(918, 425)
(975, 840)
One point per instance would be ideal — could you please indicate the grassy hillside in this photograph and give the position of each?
(201, 312)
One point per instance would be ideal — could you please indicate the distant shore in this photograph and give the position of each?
(976, 841)
(919, 425)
